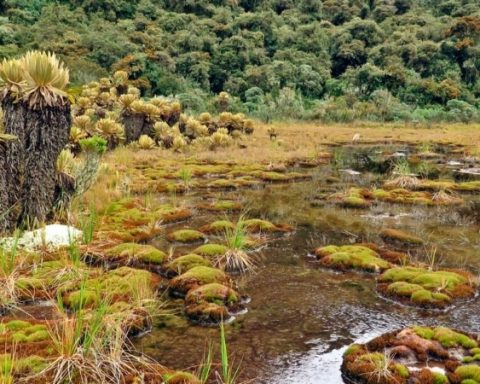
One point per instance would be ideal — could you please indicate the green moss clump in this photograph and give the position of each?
(140, 252)
(430, 280)
(469, 381)
(424, 332)
(273, 176)
(468, 372)
(402, 288)
(401, 370)
(423, 286)
(17, 325)
(184, 263)
(213, 293)
(211, 250)
(422, 296)
(380, 194)
(186, 236)
(352, 257)
(38, 336)
(30, 365)
(219, 226)
(439, 378)
(355, 202)
(19, 337)
(354, 348)
(449, 338)
(197, 276)
(222, 205)
(257, 225)
(121, 284)
(204, 274)
(82, 299)
(471, 359)
(434, 280)
(222, 183)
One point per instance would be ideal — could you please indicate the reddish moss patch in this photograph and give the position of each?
(211, 303)
(405, 356)
(396, 236)
(264, 226)
(221, 206)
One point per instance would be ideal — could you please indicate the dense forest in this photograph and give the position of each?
(336, 60)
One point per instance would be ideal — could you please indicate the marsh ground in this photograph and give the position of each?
(301, 317)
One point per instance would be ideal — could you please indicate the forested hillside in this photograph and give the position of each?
(332, 59)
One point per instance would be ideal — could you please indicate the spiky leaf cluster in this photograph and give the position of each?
(104, 106)
(38, 78)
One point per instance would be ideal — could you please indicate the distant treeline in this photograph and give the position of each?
(335, 60)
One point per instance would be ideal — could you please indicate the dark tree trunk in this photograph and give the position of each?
(134, 126)
(4, 198)
(30, 160)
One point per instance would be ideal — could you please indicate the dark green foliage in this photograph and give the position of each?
(324, 56)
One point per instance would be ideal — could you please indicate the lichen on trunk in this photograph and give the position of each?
(30, 174)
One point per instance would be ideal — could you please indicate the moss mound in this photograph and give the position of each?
(211, 250)
(264, 226)
(128, 220)
(196, 277)
(184, 263)
(169, 214)
(352, 198)
(405, 355)
(355, 257)
(44, 280)
(19, 331)
(131, 253)
(221, 206)
(425, 288)
(121, 284)
(218, 227)
(396, 236)
(186, 236)
(210, 303)
(364, 198)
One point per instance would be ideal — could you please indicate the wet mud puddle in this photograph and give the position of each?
(302, 317)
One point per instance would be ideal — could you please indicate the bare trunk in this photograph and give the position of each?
(134, 126)
(30, 172)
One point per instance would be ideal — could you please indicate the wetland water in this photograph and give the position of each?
(301, 317)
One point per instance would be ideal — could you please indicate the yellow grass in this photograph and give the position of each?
(307, 139)
(304, 140)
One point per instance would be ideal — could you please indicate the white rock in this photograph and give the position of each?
(52, 236)
(350, 172)
(470, 171)
(453, 163)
